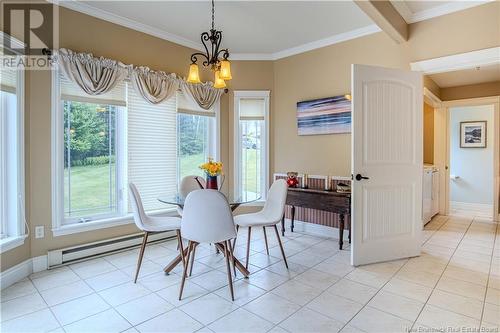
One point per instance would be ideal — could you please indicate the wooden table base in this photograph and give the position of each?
(220, 247)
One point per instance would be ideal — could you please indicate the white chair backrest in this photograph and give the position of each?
(140, 217)
(207, 217)
(189, 184)
(274, 208)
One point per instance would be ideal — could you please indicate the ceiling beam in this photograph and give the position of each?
(383, 13)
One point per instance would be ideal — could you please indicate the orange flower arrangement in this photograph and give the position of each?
(212, 168)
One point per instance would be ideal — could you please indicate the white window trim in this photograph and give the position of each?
(57, 173)
(75, 228)
(17, 229)
(239, 94)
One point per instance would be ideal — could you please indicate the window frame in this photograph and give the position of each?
(213, 133)
(14, 229)
(57, 168)
(60, 224)
(256, 94)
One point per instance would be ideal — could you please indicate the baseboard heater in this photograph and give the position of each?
(101, 248)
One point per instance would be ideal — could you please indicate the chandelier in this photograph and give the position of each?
(220, 66)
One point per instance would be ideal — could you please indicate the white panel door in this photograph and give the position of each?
(387, 114)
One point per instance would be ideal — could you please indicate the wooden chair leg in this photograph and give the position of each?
(281, 245)
(192, 259)
(234, 241)
(184, 273)
(232, 248)
(227, 253)
(141, 254)
(248, 246)
(180, 247)
(265, 239)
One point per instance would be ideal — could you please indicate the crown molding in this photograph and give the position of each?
(123, 21)
(252, 56)
(458, 61)
(431, 99)
(126, 22)
(447, 8)
(339, 38)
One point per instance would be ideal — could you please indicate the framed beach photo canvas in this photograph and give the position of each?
(473, 134)
(330, 115)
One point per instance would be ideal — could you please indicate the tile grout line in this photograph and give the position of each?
(442, 273)
(489, 275)
(48, 307)
(213, 292)
(270, 291)
(392, 276)
(274, 288)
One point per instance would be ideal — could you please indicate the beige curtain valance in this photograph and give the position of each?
(97, 76)
(155, 87)
(204, 94)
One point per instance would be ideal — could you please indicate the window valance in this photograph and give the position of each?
(96, 76)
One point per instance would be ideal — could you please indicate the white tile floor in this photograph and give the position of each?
(454, 283)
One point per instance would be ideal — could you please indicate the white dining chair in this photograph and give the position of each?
(189, 184)
(269, 216)
(152, 224)
(208, 218)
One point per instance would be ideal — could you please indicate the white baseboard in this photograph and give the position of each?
(16, 273)
(471, 209)
(22, 270)
(317, 229)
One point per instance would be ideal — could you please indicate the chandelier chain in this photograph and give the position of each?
(213, 14)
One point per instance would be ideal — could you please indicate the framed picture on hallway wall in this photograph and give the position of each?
(473, 134)
(331, 115)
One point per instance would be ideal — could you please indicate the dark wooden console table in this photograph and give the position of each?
(329, 201)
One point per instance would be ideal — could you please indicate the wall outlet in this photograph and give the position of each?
(39, 231)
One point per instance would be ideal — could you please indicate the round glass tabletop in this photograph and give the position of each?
(234, 200)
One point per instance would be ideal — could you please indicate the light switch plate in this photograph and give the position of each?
(39, 231)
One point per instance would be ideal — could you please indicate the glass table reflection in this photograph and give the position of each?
(234, 200)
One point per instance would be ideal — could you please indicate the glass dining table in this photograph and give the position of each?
(234, 202)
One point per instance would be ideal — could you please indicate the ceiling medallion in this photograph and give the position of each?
(211, 58)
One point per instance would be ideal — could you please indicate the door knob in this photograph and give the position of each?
(359, 177)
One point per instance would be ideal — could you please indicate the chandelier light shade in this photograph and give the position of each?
(213, 57)
(218, 82)
(225, 70)
(194, 74)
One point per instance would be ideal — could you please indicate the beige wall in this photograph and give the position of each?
(319, 73)
(428, 134)
(322, 73)
(471, 91)
(326, 72)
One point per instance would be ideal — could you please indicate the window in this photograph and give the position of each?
(11, 155)
(251, 142)
(101, 143)
(196, 135)
(91, 129)
(152, 149)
